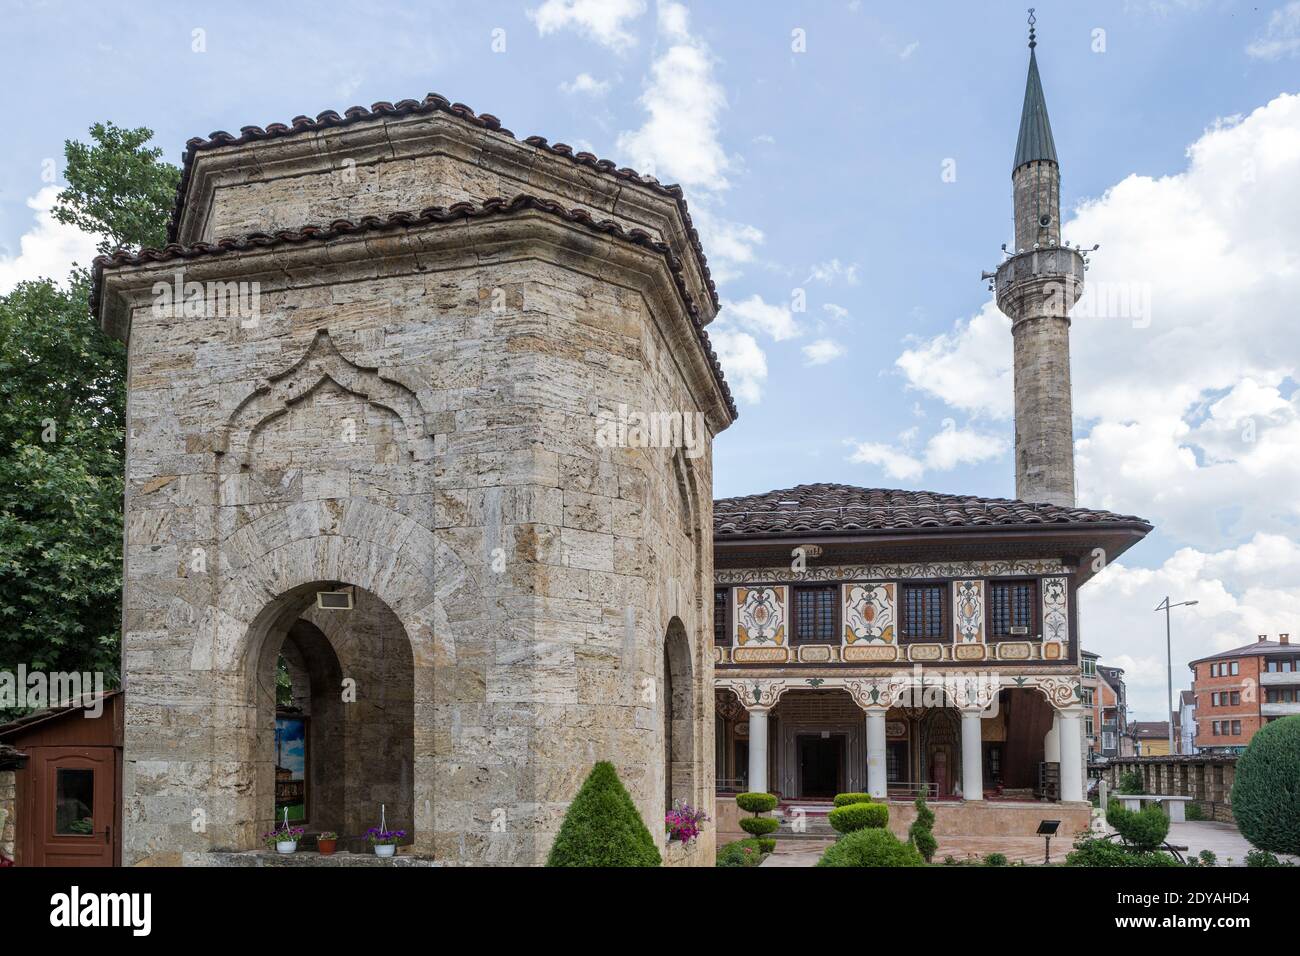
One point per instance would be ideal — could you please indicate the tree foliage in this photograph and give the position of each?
(62, 425)
(1266, 792)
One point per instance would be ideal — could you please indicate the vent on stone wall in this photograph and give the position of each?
(334, 600)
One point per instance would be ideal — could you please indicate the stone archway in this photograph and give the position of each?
(353, 679)
(679, 723)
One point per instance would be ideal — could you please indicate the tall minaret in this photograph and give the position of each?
(1036, 287)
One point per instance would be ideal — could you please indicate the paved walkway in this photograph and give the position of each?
(1223, 839)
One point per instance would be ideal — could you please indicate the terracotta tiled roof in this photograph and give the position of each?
(432, 103)
(400, 220)
(842, 509)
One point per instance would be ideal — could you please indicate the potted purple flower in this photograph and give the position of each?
(684, 823)
(384, 841)
(284, 838)
(326, 842)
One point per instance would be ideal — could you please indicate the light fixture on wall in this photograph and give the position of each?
(334, 600)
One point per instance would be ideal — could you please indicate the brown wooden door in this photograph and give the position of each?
(74, 815)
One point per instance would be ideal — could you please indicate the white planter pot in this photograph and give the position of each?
(385, 849)
(286, 846)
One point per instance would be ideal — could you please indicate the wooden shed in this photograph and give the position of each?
(68, 792)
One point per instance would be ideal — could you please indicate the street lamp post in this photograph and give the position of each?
(1169, 662)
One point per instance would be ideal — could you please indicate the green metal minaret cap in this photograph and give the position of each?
(1035, 140)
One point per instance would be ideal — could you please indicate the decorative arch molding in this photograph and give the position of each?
(322, 362)
(951, 689)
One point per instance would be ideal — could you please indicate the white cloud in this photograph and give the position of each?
(1281, 37)
(945, 450)
(585, 83)
(833, 271)
(679, 139)
(822, 351)
(730, 245)
(836, 312)
(755, 314)
(908, 50)
(743, 362)
(47, 250)
(604, 21)
(1184, 354)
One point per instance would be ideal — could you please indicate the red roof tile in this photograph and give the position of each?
(400, 220)
(432, 103)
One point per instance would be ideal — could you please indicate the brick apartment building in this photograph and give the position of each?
(1240, 690)
(1103, 699)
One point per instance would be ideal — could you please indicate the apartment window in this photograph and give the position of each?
(1232, 668)
(1107, 740)
(1214, 728)
(923, 612)
(1088, 728)
(721, 615)
(1089, 667)
(1234, 698)
(1214, 699)
(1236, 728)
(1011, 609)
(814, 615)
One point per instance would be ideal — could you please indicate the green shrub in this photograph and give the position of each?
(740, 853)
(1207, 858)
(859, 816)
(759, 826)
(756, 802)
(766, 844)
(602, 826)
(1130, 781)
(1144, 830)
(995, 859)
(1266, 793)
(1264, 858)
(844, 799)
(1194, 812)
(871, 847)
(919, 834)
(1090, 850)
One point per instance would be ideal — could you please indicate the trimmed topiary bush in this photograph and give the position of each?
(844, 799)
(1144, 830)
(858, 816)
(1266, 793)
(602, 826)
(766, 845)
(920, 834)
(756, 802)
(1090, 850)
(871, 847)
(759, 826)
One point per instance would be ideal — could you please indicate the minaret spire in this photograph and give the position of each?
(1036, 287)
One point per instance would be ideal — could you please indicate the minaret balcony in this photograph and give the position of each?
(1056, 271)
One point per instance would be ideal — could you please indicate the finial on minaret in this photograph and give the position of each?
(1032, 20)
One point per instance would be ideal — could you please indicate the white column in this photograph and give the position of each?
(1052, 741)
(1070, 725)
(758, 751)
(972, 756)
(877, 775)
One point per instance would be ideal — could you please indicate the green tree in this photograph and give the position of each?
(1266, 792)
(118, 188)
(920, 834)
(62, 422)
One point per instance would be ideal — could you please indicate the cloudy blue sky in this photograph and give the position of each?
(853, 157)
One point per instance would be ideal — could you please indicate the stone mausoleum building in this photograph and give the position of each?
(393, 540)
(902, 642)
(377, 553)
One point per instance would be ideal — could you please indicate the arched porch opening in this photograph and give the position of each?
(1026, 719)
(334, 694)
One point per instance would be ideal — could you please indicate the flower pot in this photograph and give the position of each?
(286, 846)
(385, 849)
(326, 847)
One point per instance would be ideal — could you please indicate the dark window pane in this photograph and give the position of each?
(923, 612)
(1011, 605)
(721, 599)
(74, 802)
(814, 615)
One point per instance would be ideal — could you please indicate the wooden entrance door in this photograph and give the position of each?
(821, 764)
(73, 811)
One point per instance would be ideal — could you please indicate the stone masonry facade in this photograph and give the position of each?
(413, 412)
